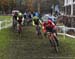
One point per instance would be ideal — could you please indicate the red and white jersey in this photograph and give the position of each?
(49, 23)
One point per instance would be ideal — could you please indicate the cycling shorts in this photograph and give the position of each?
(48, 29)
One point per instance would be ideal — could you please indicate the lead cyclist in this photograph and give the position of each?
(36, 22)
(49, 26)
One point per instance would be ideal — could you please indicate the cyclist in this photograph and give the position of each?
(20, 16)
(25, 17)
(15, 20)
(36, 22)
(29, 19)
(49, 26)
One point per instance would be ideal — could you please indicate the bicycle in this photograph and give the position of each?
(53, 42)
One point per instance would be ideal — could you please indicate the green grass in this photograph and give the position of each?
(4, 36)
(29, 46)
(5, 18)
(4, 42)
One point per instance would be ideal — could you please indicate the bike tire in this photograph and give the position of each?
(55, 46)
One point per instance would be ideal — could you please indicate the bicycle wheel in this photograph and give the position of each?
(53, 42)
(55, 45)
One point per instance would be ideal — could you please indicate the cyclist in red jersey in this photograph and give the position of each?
(49, 26)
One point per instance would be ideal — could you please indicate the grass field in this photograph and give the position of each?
(29, 46)
(5, 18)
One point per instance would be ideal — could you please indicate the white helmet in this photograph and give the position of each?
(45, 17)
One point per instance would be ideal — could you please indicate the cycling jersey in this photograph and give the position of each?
(48, 26)
(25, 15)
(15, 16)
(36, 20)
(20, 20)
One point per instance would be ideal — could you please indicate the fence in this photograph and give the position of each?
(5, 24)
(66, 31)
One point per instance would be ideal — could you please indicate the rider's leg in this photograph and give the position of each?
(56, 39)
(50, 38)
(38, 30)
(45, 34)
(20, 28)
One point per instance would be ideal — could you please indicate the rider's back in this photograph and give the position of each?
(36, 20)
(49, 23)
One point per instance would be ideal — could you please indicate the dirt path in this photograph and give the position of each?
(27, 46)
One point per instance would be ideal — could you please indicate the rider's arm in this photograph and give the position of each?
(54, 26)
(40, 22)
(33, 23)
(43, 25)
(17, 18)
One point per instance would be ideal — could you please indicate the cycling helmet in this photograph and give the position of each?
(20, 14)
(35, 17)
